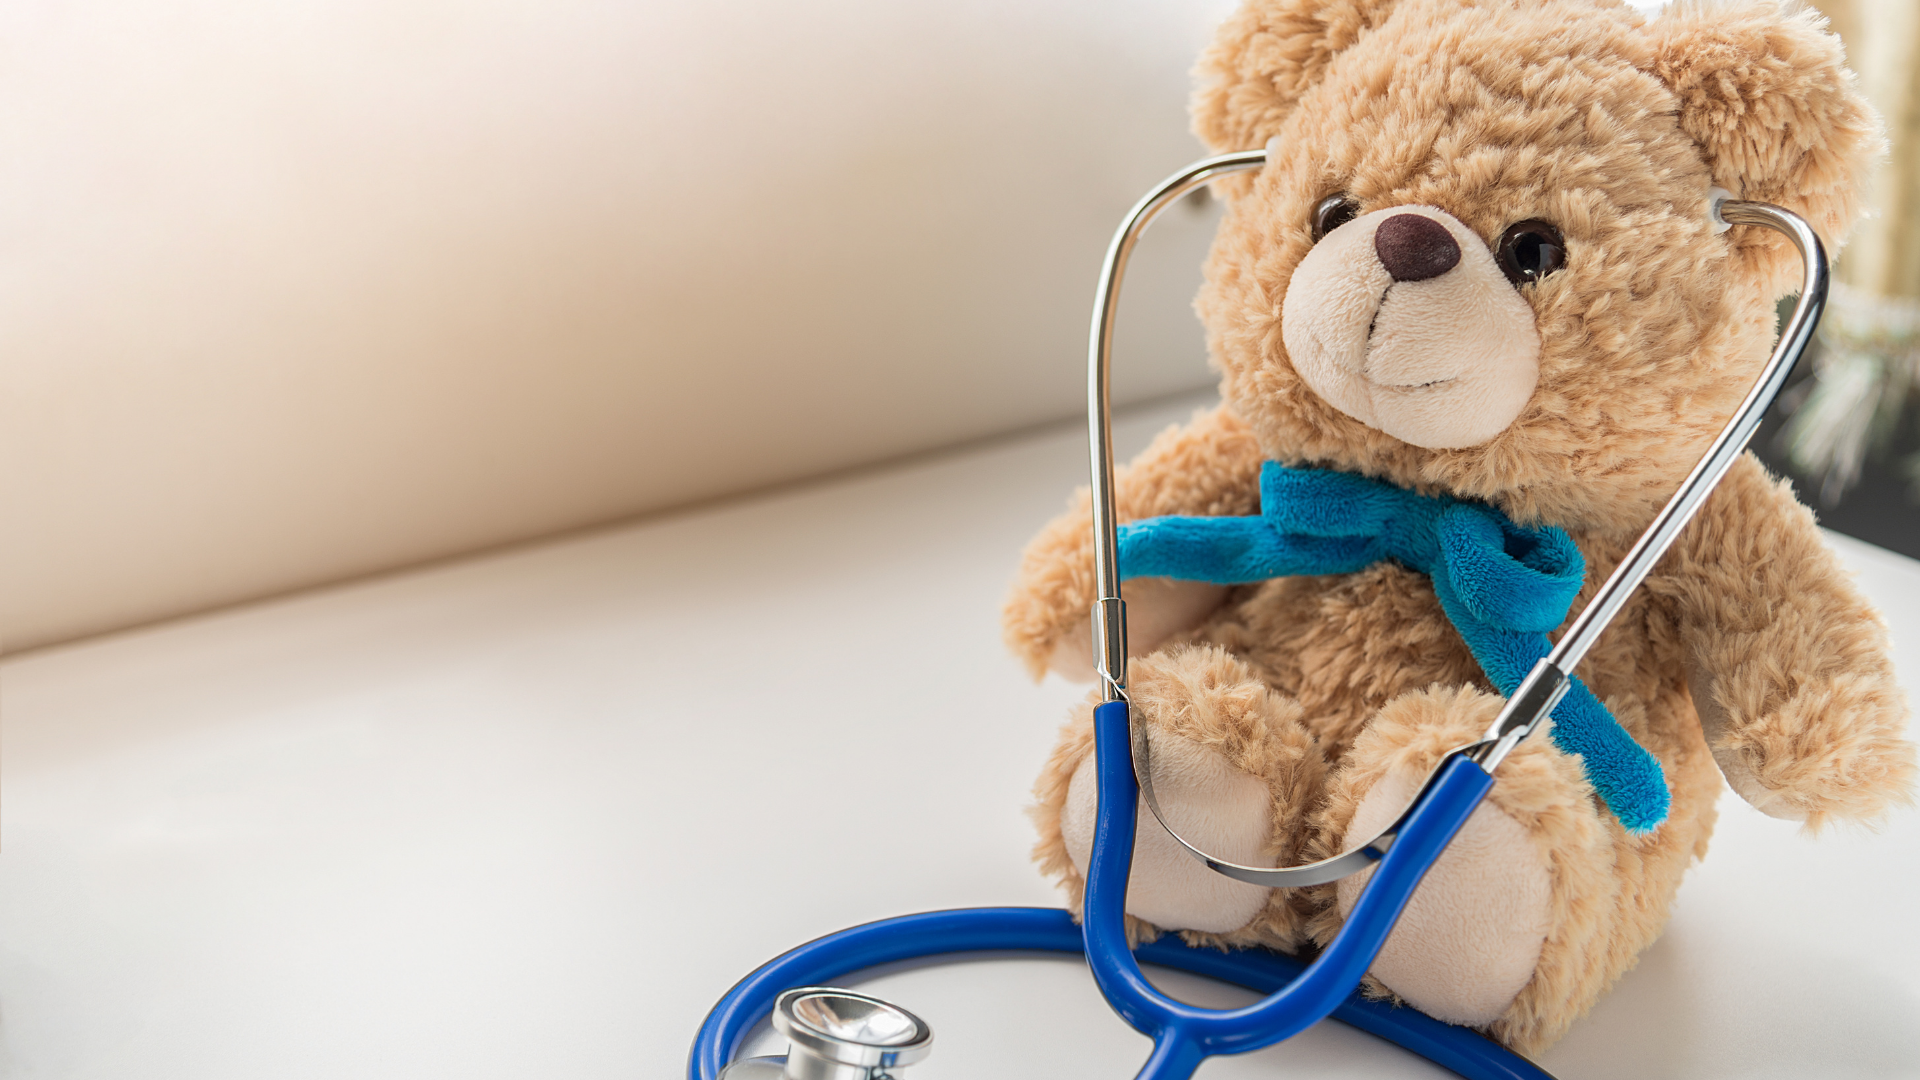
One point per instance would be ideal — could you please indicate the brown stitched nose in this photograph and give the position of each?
(1415, 248)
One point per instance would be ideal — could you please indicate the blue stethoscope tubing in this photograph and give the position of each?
(1298, 996)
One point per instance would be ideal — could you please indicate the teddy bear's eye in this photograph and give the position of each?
(1332, 212)
(1530, 250)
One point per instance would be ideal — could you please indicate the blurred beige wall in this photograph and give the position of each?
(300, 291)
(1882, 38)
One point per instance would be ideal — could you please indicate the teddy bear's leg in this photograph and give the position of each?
(1234, 770)
(1539, 903)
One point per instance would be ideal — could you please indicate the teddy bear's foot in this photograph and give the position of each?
(1471, 937)
(1232, 769)
(1223, 810)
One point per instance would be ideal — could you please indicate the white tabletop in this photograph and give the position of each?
(530, 815)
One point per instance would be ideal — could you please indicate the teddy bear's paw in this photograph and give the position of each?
(1225, 811)
(1470, 937)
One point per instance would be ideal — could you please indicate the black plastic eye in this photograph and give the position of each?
(1530, 250)
(1332, 212)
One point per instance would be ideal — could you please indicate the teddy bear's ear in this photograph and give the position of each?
(1768, 97)
(1264, 57)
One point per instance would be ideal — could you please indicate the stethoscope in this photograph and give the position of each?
(837, 1034)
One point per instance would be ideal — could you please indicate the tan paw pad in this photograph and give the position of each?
(1470, 937)
(1218, 807)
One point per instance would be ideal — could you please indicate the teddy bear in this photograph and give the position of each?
(1481, 266)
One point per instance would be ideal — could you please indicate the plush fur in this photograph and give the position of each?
(1337, 693)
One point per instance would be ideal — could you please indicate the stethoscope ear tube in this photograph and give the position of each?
(1536, 696)
(1109, 610)
(1549, 680)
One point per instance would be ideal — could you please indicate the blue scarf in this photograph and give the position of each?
(1503, 587)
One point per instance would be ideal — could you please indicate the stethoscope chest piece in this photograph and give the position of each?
(836, 1034)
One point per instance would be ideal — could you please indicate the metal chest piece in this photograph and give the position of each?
(836, 1034)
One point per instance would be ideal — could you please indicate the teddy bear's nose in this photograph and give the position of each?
(1415, 248)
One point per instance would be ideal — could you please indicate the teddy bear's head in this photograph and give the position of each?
(1481, 258)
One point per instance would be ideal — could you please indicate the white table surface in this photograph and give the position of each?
(529, 815)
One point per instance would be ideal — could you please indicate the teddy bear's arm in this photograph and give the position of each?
(1211, 467)
(1788, 663)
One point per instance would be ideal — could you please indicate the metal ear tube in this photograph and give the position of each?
(841, 1035)
(1548, 682)
(1110, 611)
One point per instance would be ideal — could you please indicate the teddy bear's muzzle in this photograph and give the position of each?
(1403, 320)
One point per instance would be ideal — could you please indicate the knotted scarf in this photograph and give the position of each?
(1502, 586)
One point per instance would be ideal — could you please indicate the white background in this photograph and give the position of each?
(532, 815)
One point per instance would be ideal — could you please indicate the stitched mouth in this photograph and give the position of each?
(1432, 385)
(1373, 323)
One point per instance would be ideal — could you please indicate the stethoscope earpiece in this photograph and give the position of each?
(1717, 199)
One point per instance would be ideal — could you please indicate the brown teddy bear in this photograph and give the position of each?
(1481, 265)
